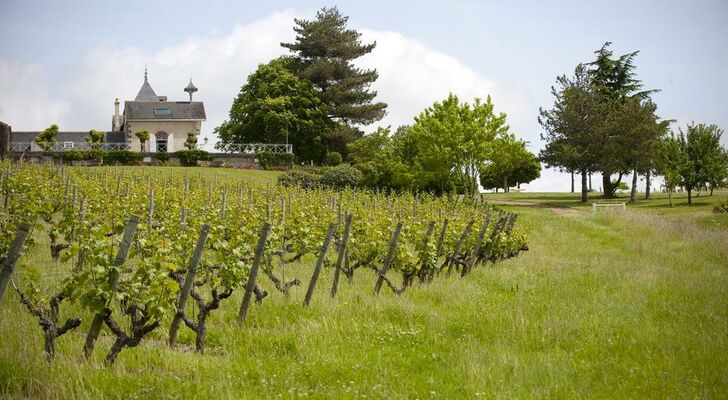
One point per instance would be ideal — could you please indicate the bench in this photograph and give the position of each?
(595, 205)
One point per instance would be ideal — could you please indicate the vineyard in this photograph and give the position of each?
(145, 254)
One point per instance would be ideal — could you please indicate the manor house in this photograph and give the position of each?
(168, 124)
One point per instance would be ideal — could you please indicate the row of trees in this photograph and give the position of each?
(316, 98)
(693, 159)
(603, 121)
(452, 146)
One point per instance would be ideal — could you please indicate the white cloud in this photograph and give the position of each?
(412, 76)
(25, 99)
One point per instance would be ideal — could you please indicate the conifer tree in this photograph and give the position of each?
(324, 51)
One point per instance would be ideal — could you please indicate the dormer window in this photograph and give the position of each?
(161, 112)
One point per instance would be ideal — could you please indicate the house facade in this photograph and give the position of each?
(168, 122)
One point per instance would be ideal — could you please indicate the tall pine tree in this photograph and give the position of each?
(324, 51)
(615, 80)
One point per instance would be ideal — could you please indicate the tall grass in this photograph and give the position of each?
(608, 306)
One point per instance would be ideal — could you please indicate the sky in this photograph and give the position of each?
(65, 62)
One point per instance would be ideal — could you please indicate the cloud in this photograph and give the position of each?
(25, 99)
(412, 76)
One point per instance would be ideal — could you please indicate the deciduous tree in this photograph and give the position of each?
(275, 106)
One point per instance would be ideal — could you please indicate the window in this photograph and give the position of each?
(162, 111)
(67, 145)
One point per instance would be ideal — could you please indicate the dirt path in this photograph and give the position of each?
(564, 211)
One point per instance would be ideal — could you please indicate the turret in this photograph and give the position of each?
(190, 89)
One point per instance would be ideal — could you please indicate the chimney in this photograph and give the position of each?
(117, 117)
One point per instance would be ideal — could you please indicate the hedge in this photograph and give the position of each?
(189, 158)
(269, 160)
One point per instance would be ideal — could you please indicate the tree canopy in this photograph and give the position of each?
(602, 121)
(573, 127)
(452, 140)
(324, 51)
(275, 106)
(510, 163)
(445, 150)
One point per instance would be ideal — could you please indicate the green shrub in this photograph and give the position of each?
(299, 178)
(268, 160)
(189, 158)
(123, 157)
(108, 157)
(162, 157)
(341, 176)
(80, 155)
(721, 207)
(333, 158)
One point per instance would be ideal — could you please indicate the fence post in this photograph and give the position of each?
(342, 252)
(493, 239)
(93, 332)
(250, 286)
(189, 281)
(474, 256)
(6, 270)
(388, 259)
(319, 263)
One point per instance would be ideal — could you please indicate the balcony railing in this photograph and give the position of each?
(65, 146)
(254, 148)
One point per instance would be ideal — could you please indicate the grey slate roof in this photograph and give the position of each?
(146, 93)
(144, 110)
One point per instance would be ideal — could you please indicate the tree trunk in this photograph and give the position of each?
(50, 338)
(505, 184)
(648, 184)
(607, 184)
(584, 189)
(201, 333)
(633, 192)
(690, 196)
(572, 181)
(590, 184)
(669, 196)
(115, 350)
(711, 189)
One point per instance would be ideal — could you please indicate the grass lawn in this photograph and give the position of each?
(615, 305)
(700, 211)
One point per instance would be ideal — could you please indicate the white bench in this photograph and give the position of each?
(595, 205)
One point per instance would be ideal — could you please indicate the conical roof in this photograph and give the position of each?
(146, 93)
(190, 87)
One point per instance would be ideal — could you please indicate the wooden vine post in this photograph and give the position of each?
(7, 268)
(493, 238)
(319, 264)
(450, 260)
(250, 286)
(388, 259)
(476, 251)
(189, 281)
(342, 252)
(124, 246)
